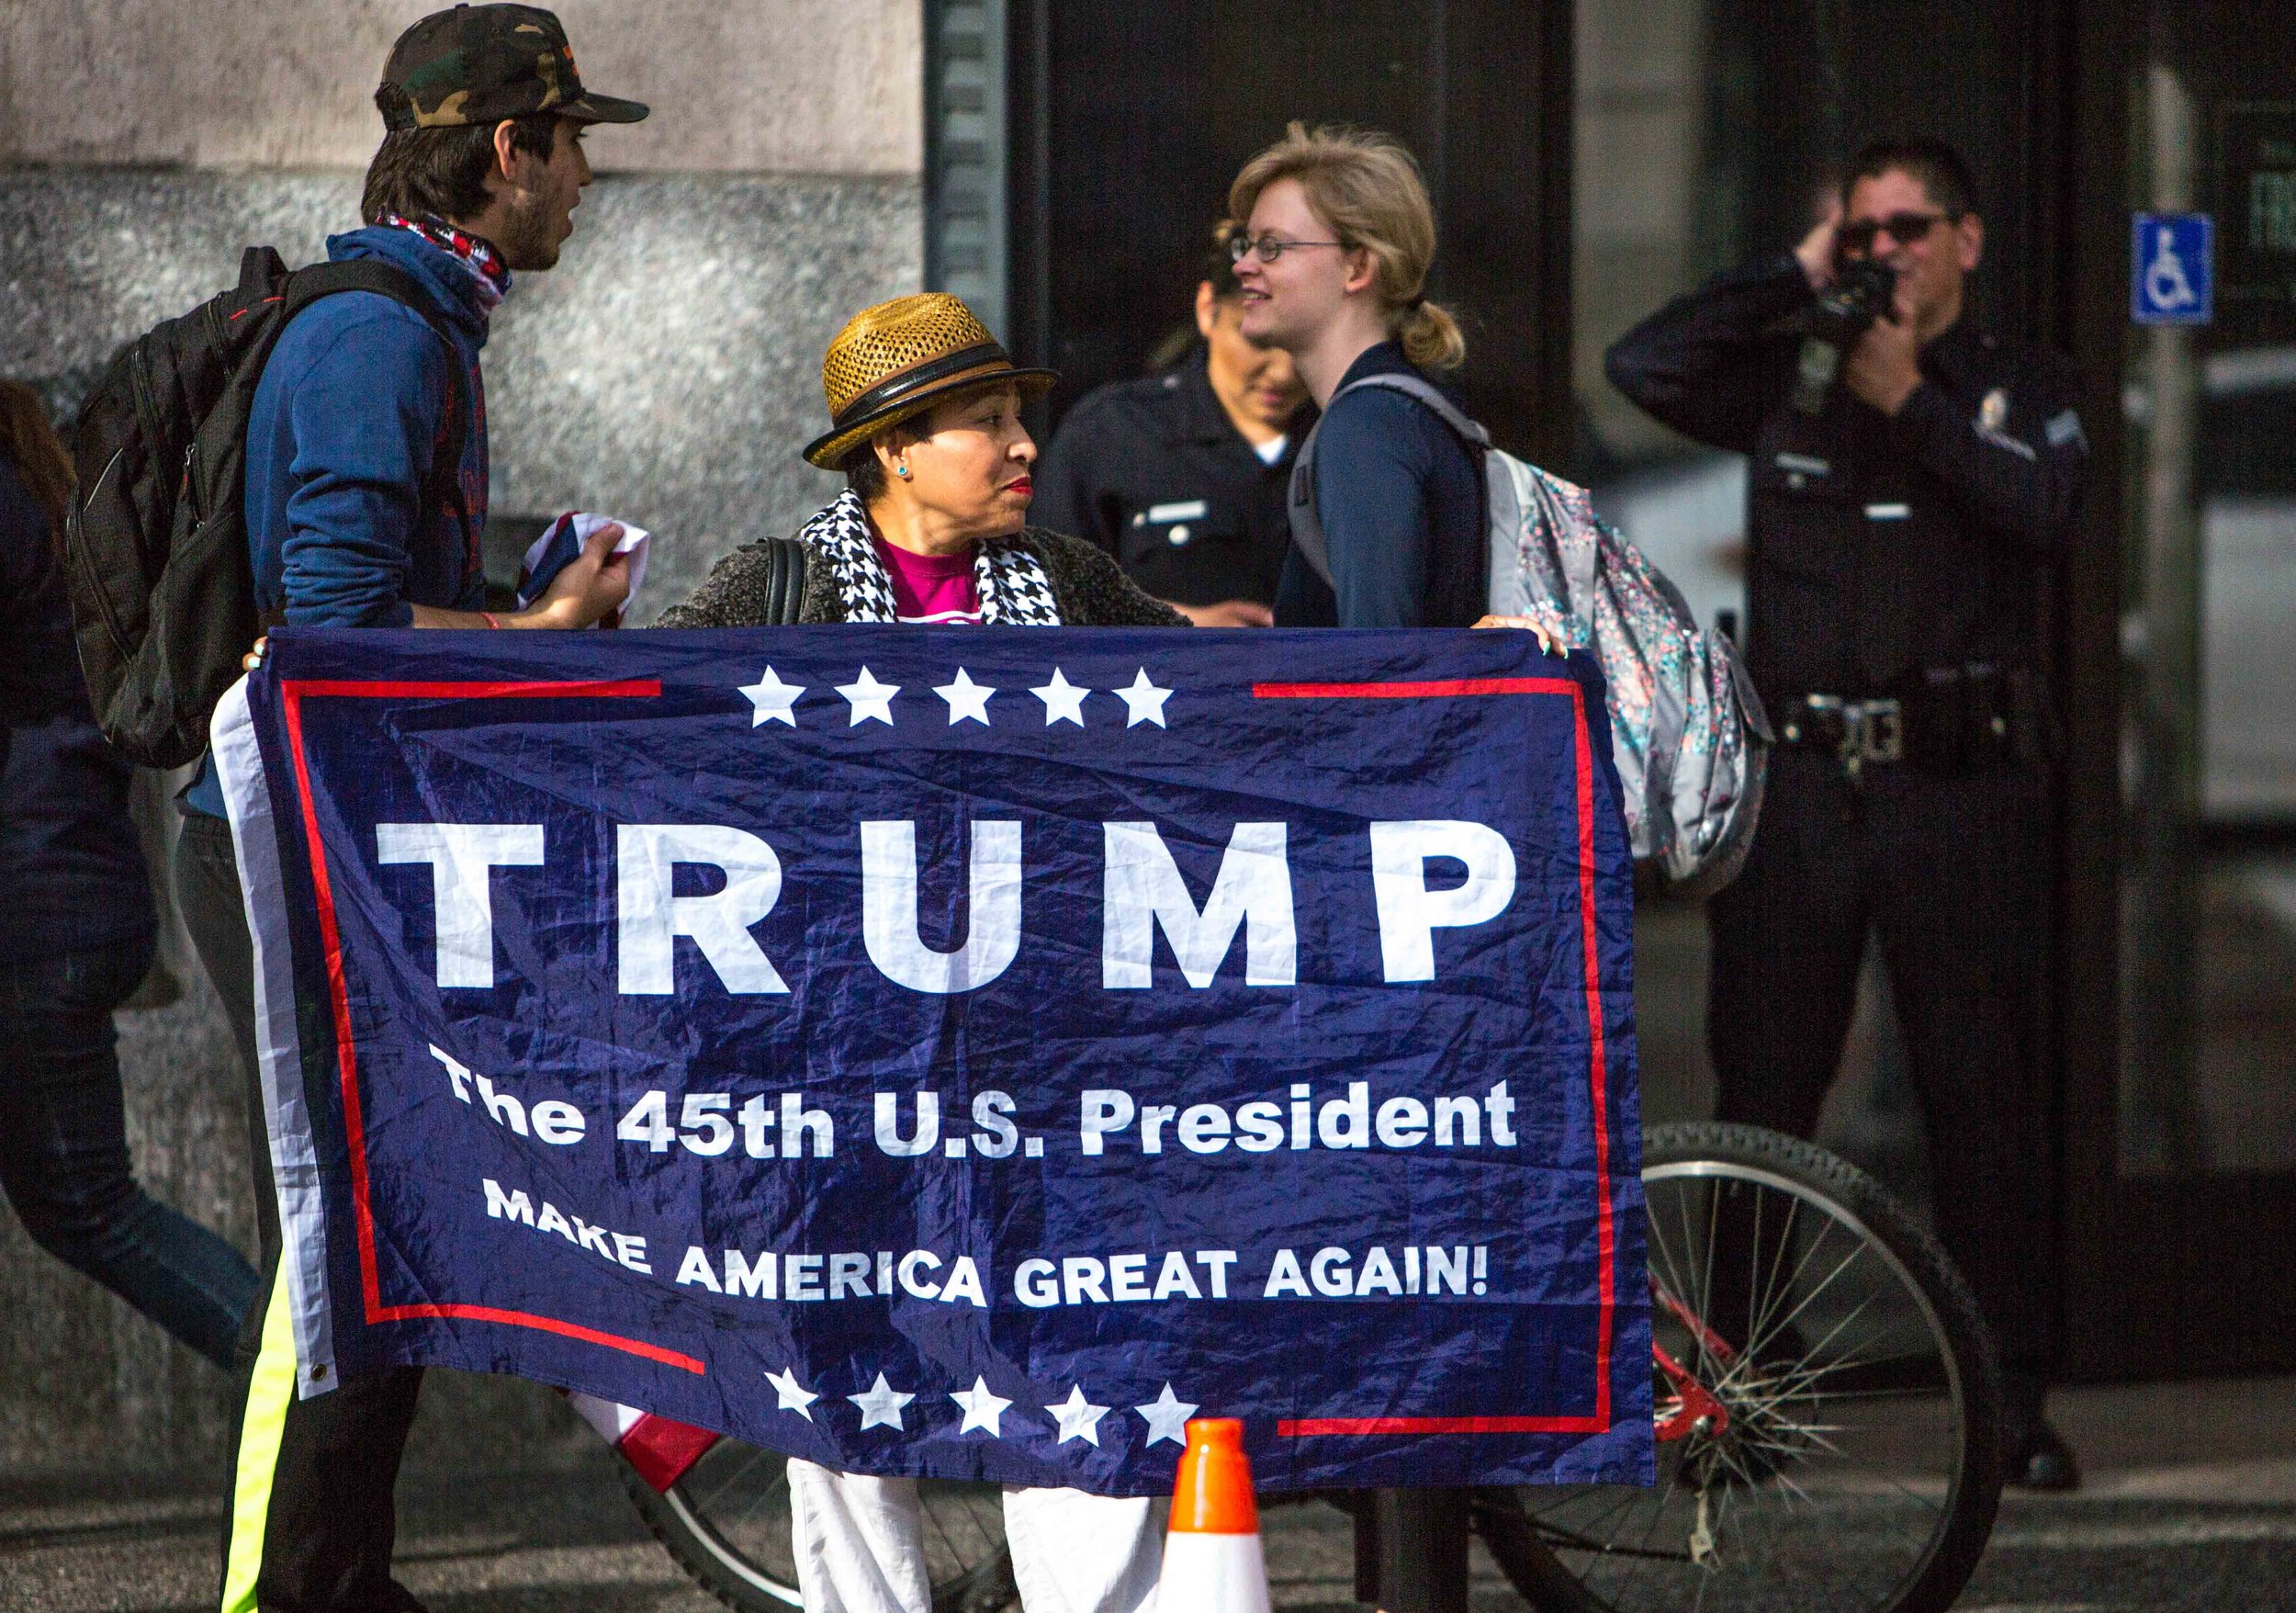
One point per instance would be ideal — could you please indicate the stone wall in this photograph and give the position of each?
(668, 370)
(788, 86)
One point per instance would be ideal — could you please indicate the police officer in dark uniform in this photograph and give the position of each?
(1899, 543)
(1181, 476)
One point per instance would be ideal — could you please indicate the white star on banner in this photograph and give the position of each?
(774, 700)
(1063, 702)
(1079, 1418)
(881, 1406)
(982, 1408)
(870, 698)
(1145, 701)
(791, 1394)
(967, 700)
(1167, 1418)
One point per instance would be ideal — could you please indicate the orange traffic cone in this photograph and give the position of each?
(1211, 1554)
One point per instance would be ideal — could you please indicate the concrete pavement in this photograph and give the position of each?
(2190, 1507)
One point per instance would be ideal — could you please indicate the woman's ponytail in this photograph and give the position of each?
(1430, 336)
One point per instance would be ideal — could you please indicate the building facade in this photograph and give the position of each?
(668, 370)
(1057, 164)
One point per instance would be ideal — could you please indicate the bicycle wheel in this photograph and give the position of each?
(1826, 1399)
(726, 1523)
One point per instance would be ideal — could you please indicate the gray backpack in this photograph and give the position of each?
(1687, 730)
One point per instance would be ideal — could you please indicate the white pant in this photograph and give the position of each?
(861, 1547)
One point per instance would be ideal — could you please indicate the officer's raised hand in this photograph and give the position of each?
(1885, 365)
(1815, 254)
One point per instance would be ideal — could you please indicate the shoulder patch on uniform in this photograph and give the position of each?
(2063, 427)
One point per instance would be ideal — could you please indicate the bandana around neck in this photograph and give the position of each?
(477, 258)
(1014, 591)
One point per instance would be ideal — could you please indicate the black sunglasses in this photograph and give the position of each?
(1904, 229)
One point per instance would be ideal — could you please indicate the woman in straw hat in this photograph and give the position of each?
(924, 412)
(925, 422)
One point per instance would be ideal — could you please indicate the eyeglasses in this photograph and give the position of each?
(1267, 248)
(1904, 229)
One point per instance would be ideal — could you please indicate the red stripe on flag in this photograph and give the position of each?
(572, 689)
(652, 1352)
(293, 691)
(1310, 1428)
(1598, 1076)
(1597, 1072)
(1419, 691)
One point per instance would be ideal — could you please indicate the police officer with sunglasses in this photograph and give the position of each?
(1900, 541)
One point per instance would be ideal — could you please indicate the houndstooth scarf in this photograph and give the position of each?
(1014, 590)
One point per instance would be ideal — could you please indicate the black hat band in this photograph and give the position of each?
(910, 382)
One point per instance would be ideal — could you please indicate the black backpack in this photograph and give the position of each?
(155, 542)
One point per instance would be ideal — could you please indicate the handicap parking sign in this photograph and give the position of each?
(2172, 262)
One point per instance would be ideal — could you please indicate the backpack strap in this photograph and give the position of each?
(784, 580)
(1307, 524)
(307, 286)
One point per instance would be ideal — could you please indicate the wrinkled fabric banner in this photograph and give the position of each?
(964, 1053)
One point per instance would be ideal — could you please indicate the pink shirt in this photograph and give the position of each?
(938, 588)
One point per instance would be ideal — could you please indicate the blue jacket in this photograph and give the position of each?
(340, 445)
(341, 440)
(1402, 502)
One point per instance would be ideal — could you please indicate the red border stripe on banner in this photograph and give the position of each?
(1306, 1427)
(1408, 691)
(1597, 1073)
(294, 691)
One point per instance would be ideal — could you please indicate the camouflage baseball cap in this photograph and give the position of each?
(483, 63)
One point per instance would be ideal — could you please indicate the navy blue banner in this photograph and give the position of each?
(964, 1053)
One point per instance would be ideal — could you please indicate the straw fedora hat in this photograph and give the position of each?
(901, 358)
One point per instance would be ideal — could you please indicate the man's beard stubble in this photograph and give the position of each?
(530, 238)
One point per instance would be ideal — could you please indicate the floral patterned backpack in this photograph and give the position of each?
(1687, 729)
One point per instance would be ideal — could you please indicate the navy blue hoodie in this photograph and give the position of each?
(1401, 503)
(340, 440)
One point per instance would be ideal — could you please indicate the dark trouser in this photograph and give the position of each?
(63, 1150)
(1410, 1551)
(327, 1516)
(1952, 870)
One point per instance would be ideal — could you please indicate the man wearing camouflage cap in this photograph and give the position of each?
(366, 493)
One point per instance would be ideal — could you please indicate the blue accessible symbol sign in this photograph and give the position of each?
(2172, 260)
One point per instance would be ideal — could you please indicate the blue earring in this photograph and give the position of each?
(902, 471)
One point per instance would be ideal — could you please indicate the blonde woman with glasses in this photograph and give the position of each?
(1336, 240)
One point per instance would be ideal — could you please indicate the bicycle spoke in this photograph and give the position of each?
(1834, 1474)
(1702, 1305)
(1847, 1260)
(1785, 1242)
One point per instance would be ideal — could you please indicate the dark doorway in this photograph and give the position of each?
(1127, 122)
(2172, 1014)
(2180, 1006)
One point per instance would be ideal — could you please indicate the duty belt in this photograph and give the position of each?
(1857, 731)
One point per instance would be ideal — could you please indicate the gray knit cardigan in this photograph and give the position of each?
(1087, 589)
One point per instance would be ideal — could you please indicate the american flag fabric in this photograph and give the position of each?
(964, 1052)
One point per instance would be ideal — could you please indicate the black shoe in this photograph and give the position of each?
(2043, 1461)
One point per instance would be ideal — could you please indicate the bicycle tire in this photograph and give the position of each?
(751, 1580)
(1560, 1568)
